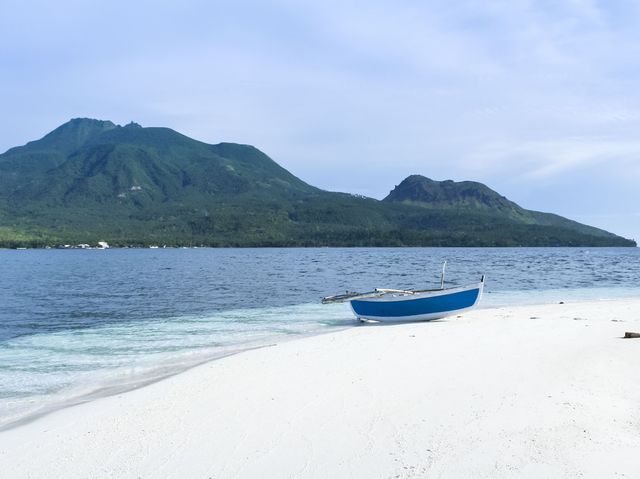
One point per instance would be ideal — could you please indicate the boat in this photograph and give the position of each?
(400, 305)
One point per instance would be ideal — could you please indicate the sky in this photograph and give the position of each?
(540, 100)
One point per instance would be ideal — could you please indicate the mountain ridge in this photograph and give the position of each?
(91, 180)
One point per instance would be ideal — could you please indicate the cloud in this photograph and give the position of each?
(537, 160)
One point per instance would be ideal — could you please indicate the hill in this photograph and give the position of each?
(471, 196)
(91, 180)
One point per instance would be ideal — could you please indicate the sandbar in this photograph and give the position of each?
(532, 391)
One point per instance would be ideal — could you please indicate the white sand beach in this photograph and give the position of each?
(536, 391)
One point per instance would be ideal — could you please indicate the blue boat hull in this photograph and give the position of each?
(419, 306)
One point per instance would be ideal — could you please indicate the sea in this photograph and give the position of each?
(76, 325)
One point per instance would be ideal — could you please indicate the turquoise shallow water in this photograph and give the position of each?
(76, 324)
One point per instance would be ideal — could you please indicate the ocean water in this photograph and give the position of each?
(78, 324)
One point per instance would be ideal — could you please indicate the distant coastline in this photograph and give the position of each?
(153, 247)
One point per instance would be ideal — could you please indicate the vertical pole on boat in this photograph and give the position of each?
(444, 265)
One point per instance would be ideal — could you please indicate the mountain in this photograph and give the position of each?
(471, 196)
(467, 195)
(91, 180)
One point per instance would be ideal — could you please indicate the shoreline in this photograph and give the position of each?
(112, 389)
(105, 390)
(531, 390)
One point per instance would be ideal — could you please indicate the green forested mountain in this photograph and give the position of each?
(471, 196)
(91, 180)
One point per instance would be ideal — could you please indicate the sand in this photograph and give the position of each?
(536, 391)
